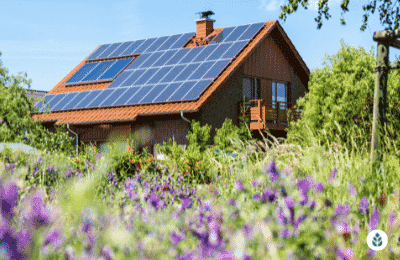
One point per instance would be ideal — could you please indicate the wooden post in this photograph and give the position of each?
(278, 121)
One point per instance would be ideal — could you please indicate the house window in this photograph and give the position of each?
(279, 94)
(251, 88)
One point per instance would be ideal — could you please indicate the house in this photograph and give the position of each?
(36, 94)
(151, 87)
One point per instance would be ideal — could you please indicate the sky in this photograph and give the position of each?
(47, 39)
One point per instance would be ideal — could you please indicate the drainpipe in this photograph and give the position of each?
(184, 118)
(76, 137)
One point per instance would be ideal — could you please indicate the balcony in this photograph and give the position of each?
(271, 115)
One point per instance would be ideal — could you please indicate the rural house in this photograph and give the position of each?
(157, 84)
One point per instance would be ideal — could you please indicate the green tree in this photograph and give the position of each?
(339, 101)
(16, 123)
(389, 11)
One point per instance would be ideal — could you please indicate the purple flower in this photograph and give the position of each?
(364, 206)
(186, 203)
(392, 217)
(289, 202)
(255, 183)
(271, 170)
(231, 202)
(247, 257)
(299, 221)
(281, 216)
(107, 252)
(9, 199)
(248, 230)
(154, 200)
(345, 254)
(175, 238)
(333, 174)
(319, 186)
(257, 196)
(352, 190)
(269, 195)
(1, 121)
(39, 215)
(285, 233)
(374, 219)
(52, 237)
(226, 255)
(239, 185)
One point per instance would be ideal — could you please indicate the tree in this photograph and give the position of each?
(339, 101)
(389, 11)
(16, 123)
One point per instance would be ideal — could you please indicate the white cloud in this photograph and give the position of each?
(271, 5)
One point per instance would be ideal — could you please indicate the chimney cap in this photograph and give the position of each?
(205, 15)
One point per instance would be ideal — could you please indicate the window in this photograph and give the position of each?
(251, 88)
(279, 94)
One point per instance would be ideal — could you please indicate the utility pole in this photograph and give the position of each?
(384, 39)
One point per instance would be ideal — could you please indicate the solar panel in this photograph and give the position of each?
(251, 31)
(109, 50)
(152, 94)
(168, 91)
(64, 101)
(54, 101)
(120, 49)
(205, 53)
(223, 35)
(164, 58)
(146, 76)
(204, 67)
(138, 96)
(234, 50)
(234, 36)
(126, 96)
(82, 72)
(132, 48)
(115, 69)
(139, 61)
(182, 40)
(100, 98)
(120, 79)
(142, 48)
(173, 73)
(98, 71)
(177, 57)
(169, 42)
(196, 91)
(98, 51)
(191, 55)
(76, 100)
(132, 78)
(47, 98)
(219, 51)
(184, 75)
(87, 99)
(113, 97)
(159, 75)
(150, 60)
(157, 43)
(216, 69)
(182, 90)
(38, 106)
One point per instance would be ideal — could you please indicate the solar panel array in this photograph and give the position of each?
(164, 71)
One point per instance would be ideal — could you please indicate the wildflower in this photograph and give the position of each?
(319, 186)
(352, 190)
(154, 200)
(257, 196)
(9, 199)
(186, 203)
(239, 185)
(248, 230)
(176, 238)
(272, 170)
(382, 198)
(374, 219)
(346, 254)
(364, 206)
(226, 255)
(255, 183)
(39, 215)
(333, 174)
(392, 217)
(285, 233)
(269, 195)
(107, 252)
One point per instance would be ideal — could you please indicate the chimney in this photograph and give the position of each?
(205, 25)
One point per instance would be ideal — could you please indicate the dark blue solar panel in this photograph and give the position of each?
(98, 51)
(191, 55)
(168, 43)
(164, 58)
(219, 51)
(53, 102)
(182, 40)
(187, 72)
(38, 106)
(251, 31)
(146, 76)
(98, 71)
(105, 93)
(115, 69)
(234, 50)
(173, 73)
(120, 49)
(204, 67)
(87, 99)
(223, 35)
(82, 72)
(157, 43)
(64, 101)
(142, 48)
(132, 78)
(113, 97)
(139, 61)
(132, 48)
(109, 50)
(125, 97)
(167, 92)
(159, 75)
(217, 39)
(182, 91)
(139, 95)
(76, 99)
(177, 57)
(47, 99)
(197, 90)
(216, 69)
(120, 79)
(235, 35)
(205, 53)
(150, 60)
(153, 93)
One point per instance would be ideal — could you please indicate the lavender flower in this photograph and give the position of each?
(226, 255)
(255, 183)
(364, 206)
(352, 190)
(319, 186)
(39, 215)
(269, 195)
(9, 199)
(289, 202)
(186, 203)
(248, 231)
(176, 238)
(333, 174)
(239, 185)
(107, 252)
(374, 219)
(285, 233)
(272, 170)
(154, 200)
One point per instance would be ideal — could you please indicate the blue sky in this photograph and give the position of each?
(47, 39)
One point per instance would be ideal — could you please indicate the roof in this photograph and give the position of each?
(160, 77)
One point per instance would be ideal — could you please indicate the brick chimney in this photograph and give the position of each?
(205, 25)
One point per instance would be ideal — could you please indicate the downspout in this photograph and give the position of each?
(76, 137)
(184, 118)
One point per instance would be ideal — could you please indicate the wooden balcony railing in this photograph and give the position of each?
(271, 115)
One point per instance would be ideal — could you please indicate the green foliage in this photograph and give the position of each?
(338, 106)
(19, 158)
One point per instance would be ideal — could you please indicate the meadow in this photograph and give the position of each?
(270, 200)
